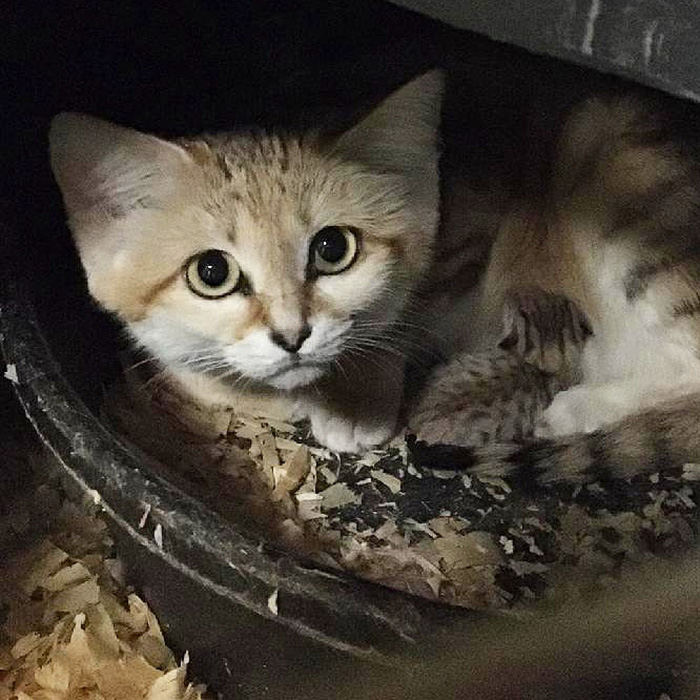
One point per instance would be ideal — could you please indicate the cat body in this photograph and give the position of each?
(309, 267)
(499, 395)
(614, 226)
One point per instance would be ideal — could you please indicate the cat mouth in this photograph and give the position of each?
(297, 373)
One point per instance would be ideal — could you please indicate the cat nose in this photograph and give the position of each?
(291, 341)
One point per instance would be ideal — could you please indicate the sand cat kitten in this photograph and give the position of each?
(498, 396)
(262, 262)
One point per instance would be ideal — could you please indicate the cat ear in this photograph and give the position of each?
(107, 168)
(402, 133)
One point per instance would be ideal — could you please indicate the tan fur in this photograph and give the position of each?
(614, 226)
(600, 170)
(140, 208)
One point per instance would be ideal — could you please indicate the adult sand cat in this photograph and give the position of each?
(294, 264)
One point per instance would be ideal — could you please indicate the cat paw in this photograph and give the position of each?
(546, 330)
(576, 410)
(341, 434)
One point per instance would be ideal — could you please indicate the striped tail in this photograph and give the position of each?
(660, 438)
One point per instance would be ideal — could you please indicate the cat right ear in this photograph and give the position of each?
(401, 134)
(106, 169)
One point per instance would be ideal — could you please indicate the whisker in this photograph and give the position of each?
(140, 363)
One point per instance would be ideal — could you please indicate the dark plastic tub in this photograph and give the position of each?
(209, 582)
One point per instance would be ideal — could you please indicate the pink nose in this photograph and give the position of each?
(291, 340)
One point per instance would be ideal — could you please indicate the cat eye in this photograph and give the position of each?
(333, 249)
(212, 274)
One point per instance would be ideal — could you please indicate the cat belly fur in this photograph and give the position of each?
(636, 358)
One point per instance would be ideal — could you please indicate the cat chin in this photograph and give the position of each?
(296, 378)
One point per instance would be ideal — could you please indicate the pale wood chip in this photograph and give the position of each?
(75, 598)
(289, 475)
(46, 560)
(389, 480)
(338, 495)
(67, 576)
(25, 644)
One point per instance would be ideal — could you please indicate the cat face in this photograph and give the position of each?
(256, 256)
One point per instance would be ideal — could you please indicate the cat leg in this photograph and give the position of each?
(499, 396)
(546, 330)
(358, 408)
(630, 365)
(585, 408)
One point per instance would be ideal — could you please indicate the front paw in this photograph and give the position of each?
(342, 434)
(546, 330)
(578, 410)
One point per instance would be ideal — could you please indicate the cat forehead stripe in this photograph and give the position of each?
(158, 288)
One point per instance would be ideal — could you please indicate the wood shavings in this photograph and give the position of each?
(466, 550)
(69, 632)
(309, 507)
(66, 576)
(264, 445)
(390, 481)
(25, 645)
(507, 544)
(437, 533)
(330, 476)
(272, 602)
(287, 477)
(338, 495)
(414, 472)
(370, 459)
(691, 471)
(171, 686)
(44, 561)
(11, 373)
(75, 598)
(446, 525)
(408, 568)
(425, 528)
(144, 517)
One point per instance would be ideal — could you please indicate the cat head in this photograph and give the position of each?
(256, 255)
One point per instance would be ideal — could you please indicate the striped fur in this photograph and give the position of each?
(654, 440)
(612, 224)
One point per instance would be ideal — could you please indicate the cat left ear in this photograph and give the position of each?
(402, 133)
(99, 164)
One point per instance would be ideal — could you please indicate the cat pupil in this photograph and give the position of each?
(212, 268)
(331, 244)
